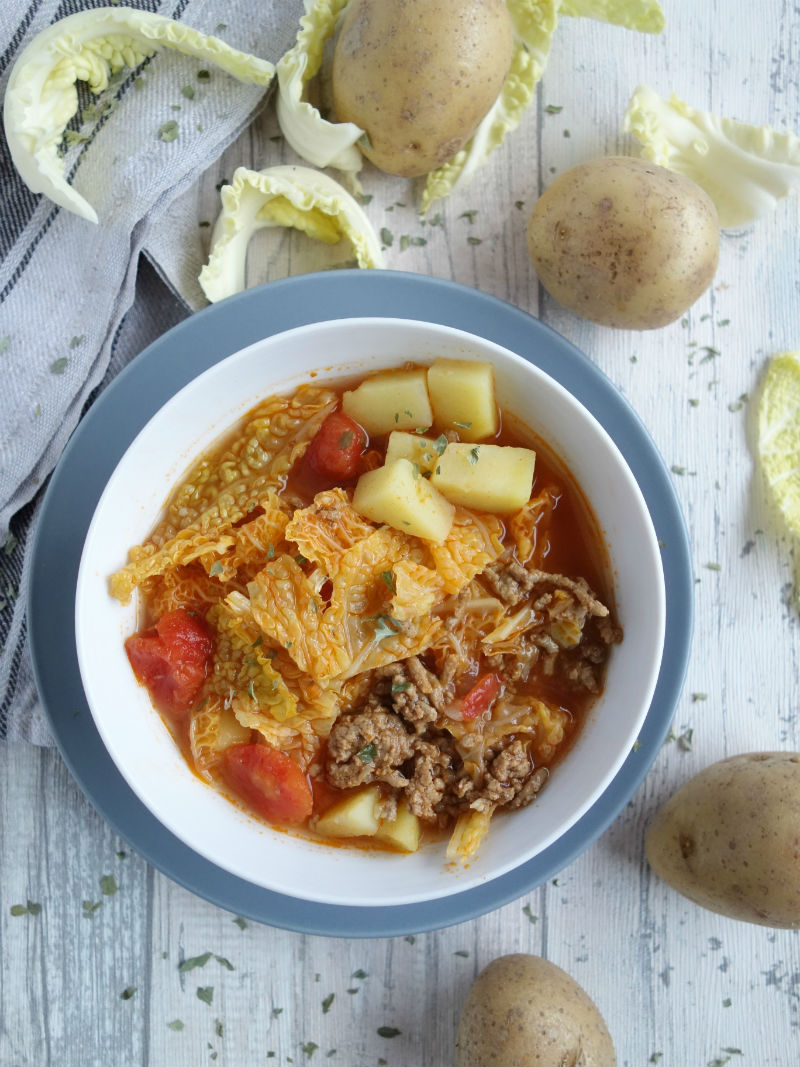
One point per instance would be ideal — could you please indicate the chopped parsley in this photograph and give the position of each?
(440, 444)
(388, 578)
(345, 440)
(168, 131)
(90, 907)
(216, 568)
(30, 908)
(188, 92)
(128, 992)
(554, 109)
(529, 914)
(205, 993)
(474, 454)
(365, 142)
(470, 215)
(474, 240)
(368, 753)
(176, 1024)
(240, 922)
(387, 237)
(400, 687)
(194, 961)
(58, 366)
(204, 75)
(78, 340)
(388, 1031)
(108, 885)
(326, 1004)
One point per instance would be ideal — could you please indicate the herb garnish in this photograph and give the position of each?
(368, 753)
(326, 1004)
(345, 440)
(58, 366)
(474, 454)
(388, 1031)
(388, 578)
(30, 908)
(440, 444)
(387, 237)
(168, 131)
(386, 626)
(205, 993)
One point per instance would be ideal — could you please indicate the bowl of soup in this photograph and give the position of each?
(370, 612)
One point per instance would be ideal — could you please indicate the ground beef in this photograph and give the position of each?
(433, 775)
(510, 780)
(368, 746)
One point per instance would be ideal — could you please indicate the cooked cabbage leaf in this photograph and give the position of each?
(299, 197)
(41, 97)
(323, 143)
(744, 169)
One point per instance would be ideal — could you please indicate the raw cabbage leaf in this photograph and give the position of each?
(323, 143)
(646, 16)
(298, 197)
(744, 169)
(41, 96)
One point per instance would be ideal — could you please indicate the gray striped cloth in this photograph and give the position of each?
(79, 301)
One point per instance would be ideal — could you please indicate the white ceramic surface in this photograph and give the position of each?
(141, 746)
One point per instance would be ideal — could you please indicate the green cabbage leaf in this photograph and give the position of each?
(313, 138)
(744, 169)
(41, 97)
(288, 196)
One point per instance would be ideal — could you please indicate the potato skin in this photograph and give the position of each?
(624, 242)
(523, 1011)
(419, 75)
(729, 839)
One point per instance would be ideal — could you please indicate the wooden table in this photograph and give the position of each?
(86, 984)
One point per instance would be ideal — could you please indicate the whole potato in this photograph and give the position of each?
(523, 1011)
(624, 242)
(419, 75)
(729, 839)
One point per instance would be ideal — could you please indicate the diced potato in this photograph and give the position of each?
(402, 832)
(424, 451)
(399, 496)
(355, 816)
(495, 478)
(396, 400)
(462, 396)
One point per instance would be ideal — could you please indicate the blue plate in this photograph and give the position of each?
(141, 389)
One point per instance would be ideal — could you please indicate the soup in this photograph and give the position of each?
(377, 612)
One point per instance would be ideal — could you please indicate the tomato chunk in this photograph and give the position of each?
(482, 695)
(269, 781)
(172, 659)
(333, 454)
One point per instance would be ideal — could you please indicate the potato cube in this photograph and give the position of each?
(401, 832)
(419, 450)
(495, 478)
(356, 815)
(395, 400)
(398, 495)
(462, 396)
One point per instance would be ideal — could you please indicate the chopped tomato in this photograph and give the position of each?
(269, 781)
(333, 455)
(171, 659)
(482, 695)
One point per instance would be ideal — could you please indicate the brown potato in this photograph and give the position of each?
(523, 1011)
(729, 839)
(419, 75)
(624, 242)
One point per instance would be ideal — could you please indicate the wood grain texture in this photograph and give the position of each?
(676, 984)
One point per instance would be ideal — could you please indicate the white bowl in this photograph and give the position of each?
(133, 731)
